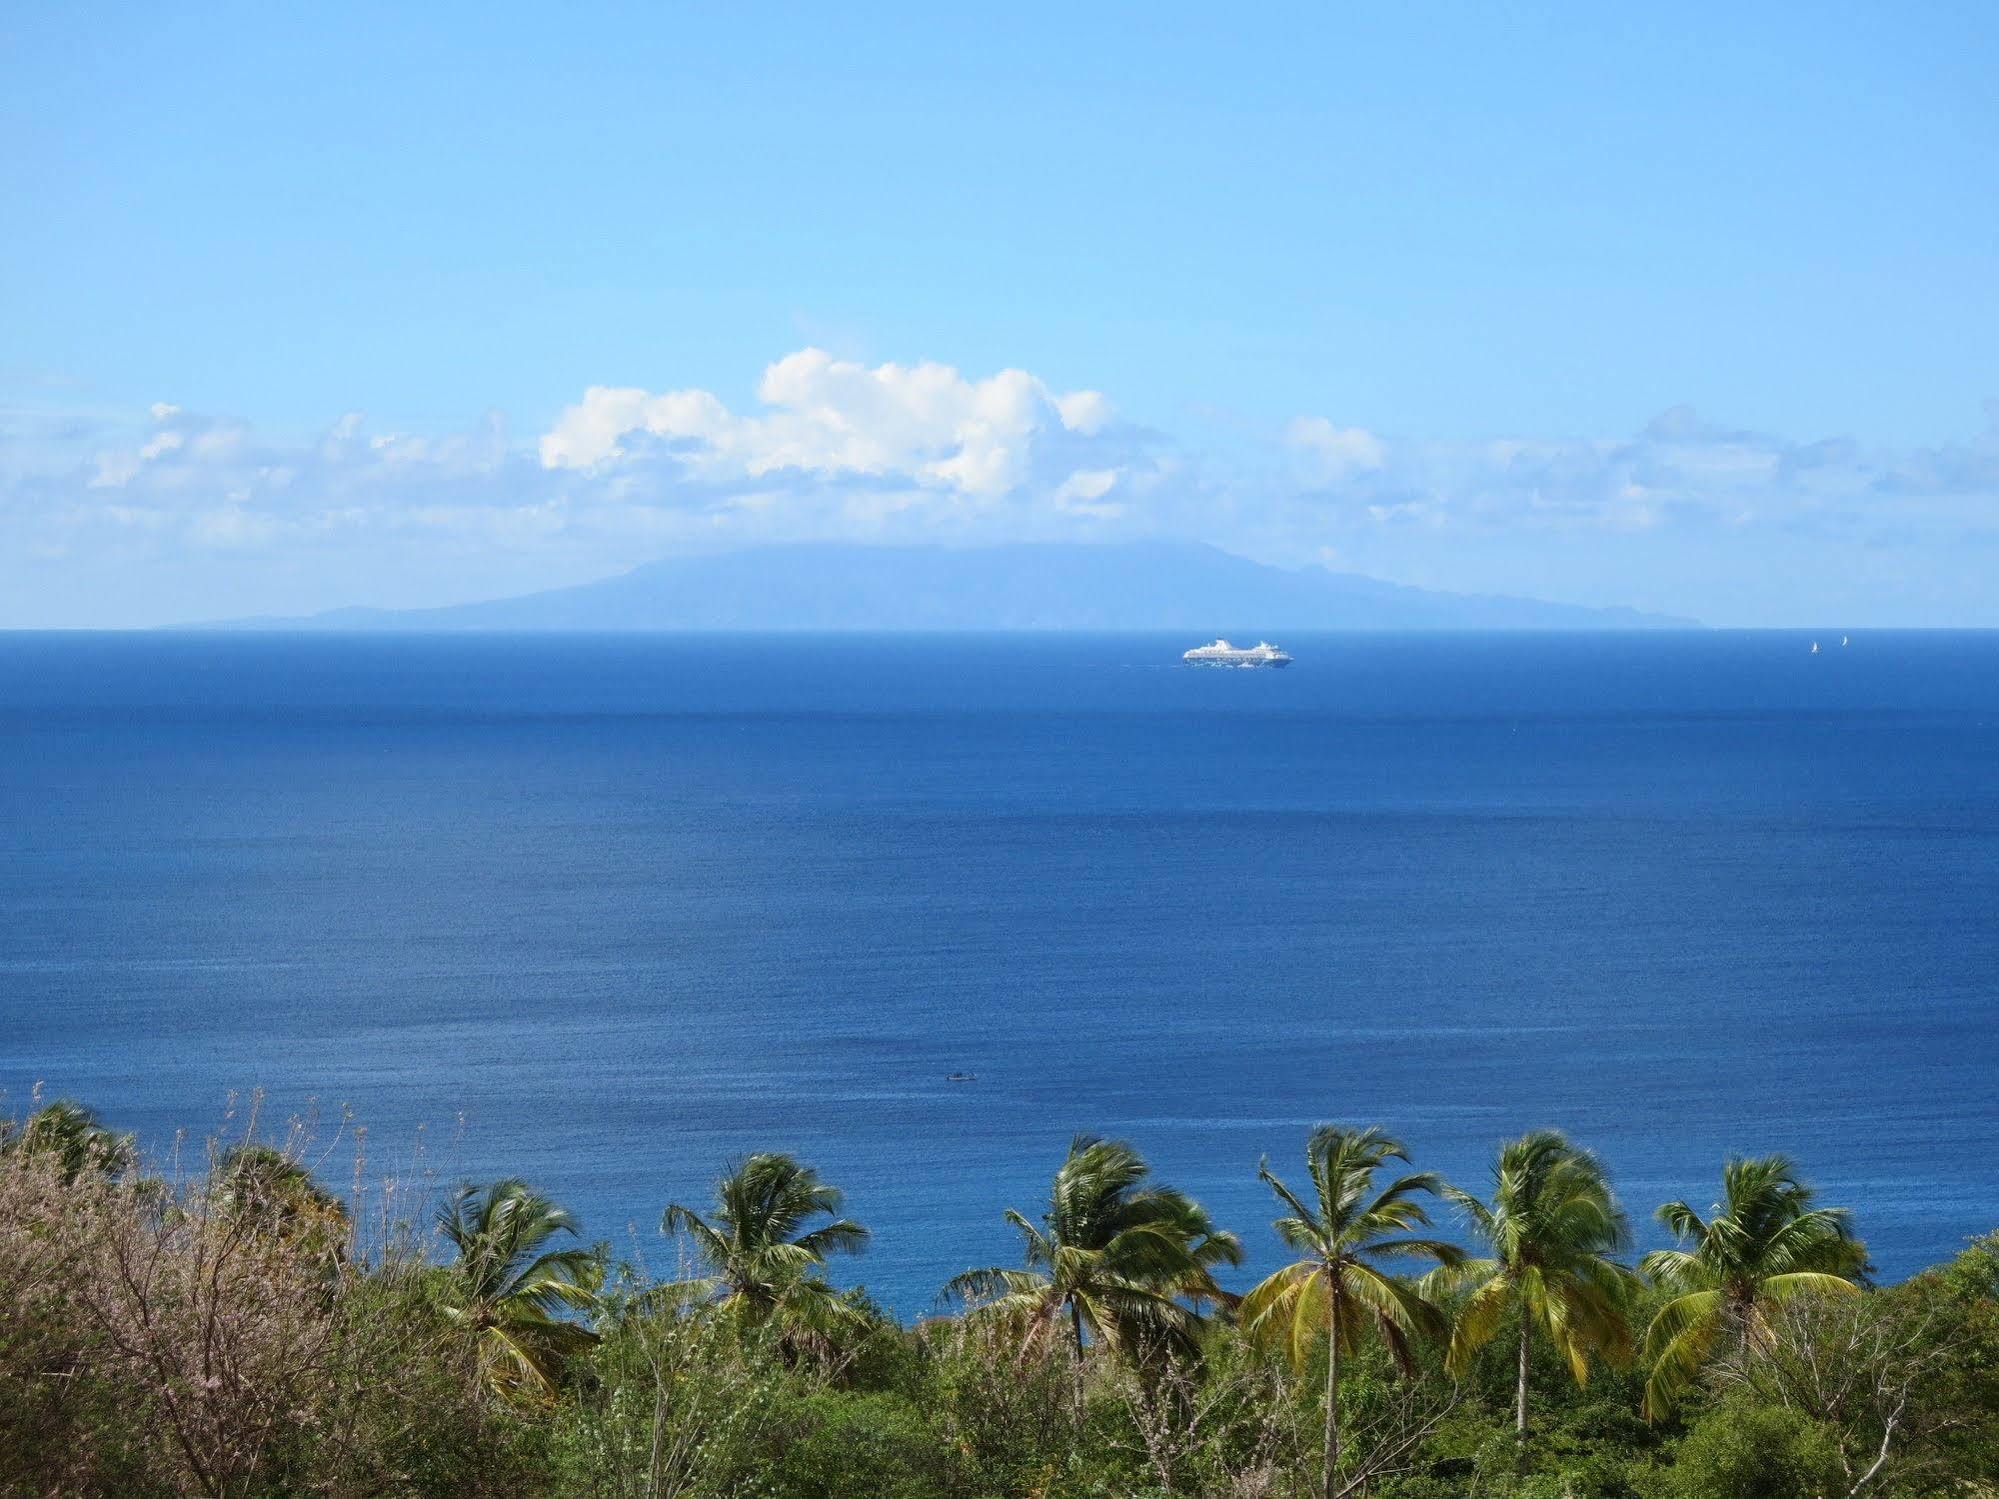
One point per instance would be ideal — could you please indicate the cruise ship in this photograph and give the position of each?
(1221, 653)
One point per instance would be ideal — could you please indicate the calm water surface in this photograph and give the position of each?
(607, 911)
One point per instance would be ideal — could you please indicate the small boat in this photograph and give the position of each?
(961, 1077)
(1815, 647)
(1842, 640)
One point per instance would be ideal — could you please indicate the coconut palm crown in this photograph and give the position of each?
(69, 1136)
(760, 1254)
(1333, 1290)
(1552, 1226)
(1112, 1257)
(275, 1195)
(1762, 1243)
(510, 1291)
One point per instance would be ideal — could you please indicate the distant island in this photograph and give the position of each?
(1151, 585)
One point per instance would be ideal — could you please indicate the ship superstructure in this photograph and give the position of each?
(1221, 653)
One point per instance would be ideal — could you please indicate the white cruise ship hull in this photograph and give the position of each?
(1221, 653)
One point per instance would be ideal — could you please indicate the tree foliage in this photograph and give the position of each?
(1554, 1228)
(196, 1336)
(513, 1295)
(762, 1260)
(1335, 1294)
(1116, 1257)
(1762, 1244)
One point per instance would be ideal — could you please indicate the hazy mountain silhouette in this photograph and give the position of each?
(1038, 586)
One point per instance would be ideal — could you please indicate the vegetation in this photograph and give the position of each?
(1333, 1295)
(1763, 1244)
(1114, 1256)
(261, 1186)
(67, 1136)
(245, 1330)
(1553, 1227)
(508, 1293)
(762, 1260)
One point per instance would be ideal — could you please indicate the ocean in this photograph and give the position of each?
(605, 912)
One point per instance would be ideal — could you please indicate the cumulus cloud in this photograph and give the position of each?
(834, 449)
(1085, 491)
(924, 424)
(1335, 453)
(1680, 470)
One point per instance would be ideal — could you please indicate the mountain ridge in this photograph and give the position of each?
(1150, 585)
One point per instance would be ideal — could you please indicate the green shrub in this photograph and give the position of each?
(214, 1335)
(834, 1445)
(1740, 1451)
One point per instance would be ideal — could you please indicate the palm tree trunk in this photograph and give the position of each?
(1076, 1327)
(1520, 1398)
(1332, 1458)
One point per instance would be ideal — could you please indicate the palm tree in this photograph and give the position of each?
(266, 1190)
(1112, 1255)
(760, 1256)
(69, 1136)
(1552, 1227)
(1332, 1288)
(512, 1292)
(1762, 1243)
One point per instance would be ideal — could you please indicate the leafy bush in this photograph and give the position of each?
(230, 1334)
(1741, 1451)
(165, 1341)
(830, 1446)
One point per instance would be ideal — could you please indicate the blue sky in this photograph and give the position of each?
(1695, 308)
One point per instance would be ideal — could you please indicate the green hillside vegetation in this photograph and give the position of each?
(241, 1327)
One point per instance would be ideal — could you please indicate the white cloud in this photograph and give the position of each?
(924, 424)
(591, 432)
(838, 450)
(1083, 492)
(1681, 471)
(232, 526)
(1336, 453)
(1084, 411)
(834, 450)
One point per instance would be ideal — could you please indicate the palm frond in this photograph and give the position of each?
(1478, 1322)
(1808, 1283)
(1677, 1345)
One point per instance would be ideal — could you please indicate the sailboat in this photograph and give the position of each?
(1815, 647)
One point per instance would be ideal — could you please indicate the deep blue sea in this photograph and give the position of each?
(607, 911)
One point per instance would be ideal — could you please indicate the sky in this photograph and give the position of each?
(1693, 308)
